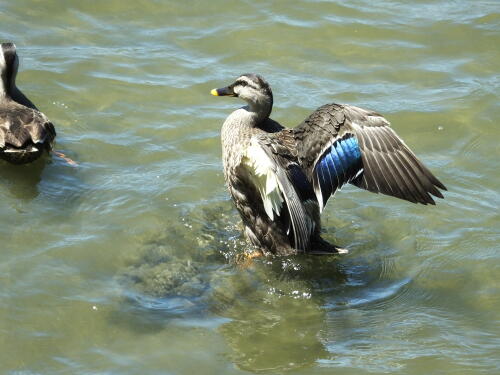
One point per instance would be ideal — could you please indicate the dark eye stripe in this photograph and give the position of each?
(244, 83)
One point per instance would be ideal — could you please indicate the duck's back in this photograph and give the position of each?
(24, 132)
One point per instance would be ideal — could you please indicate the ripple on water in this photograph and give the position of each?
(143, 229)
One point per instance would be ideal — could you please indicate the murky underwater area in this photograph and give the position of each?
(125, 264)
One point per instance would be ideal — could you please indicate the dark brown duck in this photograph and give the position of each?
(280, 179)
(25, 132)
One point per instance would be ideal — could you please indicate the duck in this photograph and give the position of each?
(25, 132)
(280, 178)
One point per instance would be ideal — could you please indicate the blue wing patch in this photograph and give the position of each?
(338, 165)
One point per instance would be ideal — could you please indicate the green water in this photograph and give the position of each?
(125, 263)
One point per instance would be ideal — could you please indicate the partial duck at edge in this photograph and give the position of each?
(25, 132)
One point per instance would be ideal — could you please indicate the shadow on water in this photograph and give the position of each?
(22, 180)
(50, 177)
(275, 309)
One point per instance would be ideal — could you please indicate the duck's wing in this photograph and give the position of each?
(280, 179)
(338, 144)
(21, 125)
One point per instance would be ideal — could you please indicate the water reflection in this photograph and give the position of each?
(22, 180)
(275, 311)
(278, 335)
(276, 316)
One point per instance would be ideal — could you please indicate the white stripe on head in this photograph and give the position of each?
(2, 61)
(8, 50)
(250, 82)
(2, 69)
(244, 79)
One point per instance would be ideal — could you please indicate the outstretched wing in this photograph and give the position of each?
(282, 185)
(341, 143)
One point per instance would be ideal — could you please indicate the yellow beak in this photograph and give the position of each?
(214, 92)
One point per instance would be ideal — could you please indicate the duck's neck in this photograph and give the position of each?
(4, 88)
(248, 117)
(3, 74)
(7, 82)
(260, 110)
(9, 90)
(236, 133)
(239, 128)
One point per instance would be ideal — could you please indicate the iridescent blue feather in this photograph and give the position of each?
(338, 165)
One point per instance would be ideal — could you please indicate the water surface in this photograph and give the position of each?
(125, 263)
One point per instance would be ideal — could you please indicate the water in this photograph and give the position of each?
(125, 263)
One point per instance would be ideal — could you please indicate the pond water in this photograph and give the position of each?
(125, 263)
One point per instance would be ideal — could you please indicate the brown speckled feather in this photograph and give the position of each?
(19, 125)
(24, 133)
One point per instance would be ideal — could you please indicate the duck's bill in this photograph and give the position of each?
(225, 91)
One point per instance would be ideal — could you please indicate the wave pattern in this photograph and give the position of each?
(127, 262)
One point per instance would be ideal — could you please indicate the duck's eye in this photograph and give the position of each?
(242, 83)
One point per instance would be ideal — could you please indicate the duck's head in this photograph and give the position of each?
(9, 62)
(253, 89)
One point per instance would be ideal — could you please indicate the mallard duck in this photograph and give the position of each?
(25, 132)
(280, 179)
